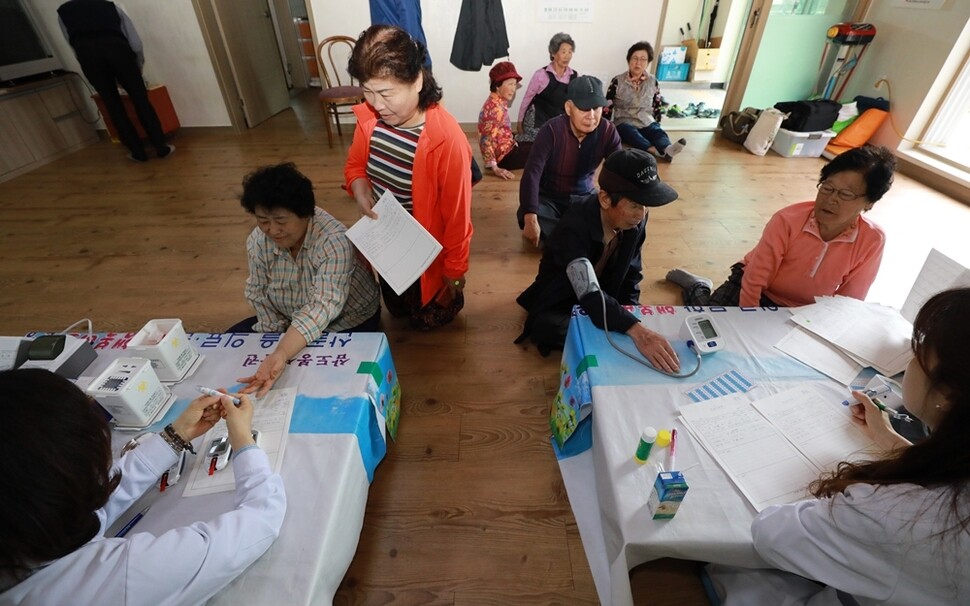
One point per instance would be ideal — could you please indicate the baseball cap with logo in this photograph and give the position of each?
(586, 93)
(632, 173)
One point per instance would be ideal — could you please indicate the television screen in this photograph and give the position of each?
(23, 49)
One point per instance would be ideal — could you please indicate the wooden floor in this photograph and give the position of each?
(469, 506)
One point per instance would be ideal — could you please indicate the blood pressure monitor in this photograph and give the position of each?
(701, 333)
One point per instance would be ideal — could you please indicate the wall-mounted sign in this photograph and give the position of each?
(569, 11)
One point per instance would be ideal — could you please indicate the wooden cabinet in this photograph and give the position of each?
(40, 122)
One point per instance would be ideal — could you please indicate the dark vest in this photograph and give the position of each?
(550, 100)
(90, 19)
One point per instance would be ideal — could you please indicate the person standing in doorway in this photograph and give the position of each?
(110, 53)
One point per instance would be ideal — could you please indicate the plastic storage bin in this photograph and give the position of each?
(676, 72)
(793, 144)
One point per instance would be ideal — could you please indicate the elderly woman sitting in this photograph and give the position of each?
(816, 248)
(305, 278)
(500, 151)
(546, 93)
(635, 111)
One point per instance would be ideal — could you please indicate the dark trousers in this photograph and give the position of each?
(106, 62)
(644, 138)
(515, 159)
(726, 295)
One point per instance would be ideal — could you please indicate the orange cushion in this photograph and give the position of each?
(861, 130)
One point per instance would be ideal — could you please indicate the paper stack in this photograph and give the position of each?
(839, 336)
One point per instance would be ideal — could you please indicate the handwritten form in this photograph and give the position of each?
(939, 273)
(271, 418)
(773, 448)
(395, 243)
(766, 468)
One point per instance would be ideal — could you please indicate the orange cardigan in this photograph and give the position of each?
(441, 188)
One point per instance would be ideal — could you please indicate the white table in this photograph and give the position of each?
(608, 490)
(347, 388)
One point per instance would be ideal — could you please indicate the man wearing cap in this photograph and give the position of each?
(609, 228)
(500, 151)
(566, 152)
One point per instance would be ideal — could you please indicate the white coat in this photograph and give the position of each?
(182, 566)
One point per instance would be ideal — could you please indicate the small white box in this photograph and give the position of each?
(130, 390)
(793, 144)
(165, 343)
(673, 54)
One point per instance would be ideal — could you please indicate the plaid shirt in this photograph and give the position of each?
(326, 288)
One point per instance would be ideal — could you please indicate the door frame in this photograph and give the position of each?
(219, 55)
(754, 29)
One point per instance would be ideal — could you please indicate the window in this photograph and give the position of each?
(948, 135)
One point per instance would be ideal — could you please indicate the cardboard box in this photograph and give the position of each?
(673, 54)
(793, 144)
(673, 72)
(668, 492)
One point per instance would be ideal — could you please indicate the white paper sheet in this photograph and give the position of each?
(939, 273)
(395, 243)
(820, 429)
(271, 418)
(766, 468)
(821, 355)
(876, 334)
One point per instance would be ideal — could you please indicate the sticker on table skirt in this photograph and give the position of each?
(572, 402)
(730, 382)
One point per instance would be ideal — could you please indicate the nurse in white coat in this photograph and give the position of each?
(61, 492)
(891, 531)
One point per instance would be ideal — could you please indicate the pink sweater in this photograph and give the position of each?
(791, 264)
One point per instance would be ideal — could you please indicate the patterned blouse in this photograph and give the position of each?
(495, 129)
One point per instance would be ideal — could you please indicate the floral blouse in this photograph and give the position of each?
(495, 129)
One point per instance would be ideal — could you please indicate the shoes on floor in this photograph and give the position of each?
(168, 151)
(138, 158)
(674, 111)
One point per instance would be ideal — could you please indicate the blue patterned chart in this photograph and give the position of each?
(722, 385)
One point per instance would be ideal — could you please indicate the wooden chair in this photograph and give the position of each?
(335, 97)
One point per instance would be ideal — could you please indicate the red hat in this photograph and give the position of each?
(501, 72)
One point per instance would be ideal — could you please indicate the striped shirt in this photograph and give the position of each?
(326, 288)
(391, 161)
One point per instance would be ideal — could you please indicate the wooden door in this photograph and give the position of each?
(247, 31)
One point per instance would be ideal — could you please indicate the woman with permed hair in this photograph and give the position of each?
(63, 492)
(822, 247)
(894, 530)
(407, 144)
(305, 277)
(545, 95)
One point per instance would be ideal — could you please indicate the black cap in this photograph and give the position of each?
(632, 173)
(586, 93)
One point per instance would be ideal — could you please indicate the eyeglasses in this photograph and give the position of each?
(845, 195)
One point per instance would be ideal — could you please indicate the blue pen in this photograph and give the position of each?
(131, 523)
(208, 391)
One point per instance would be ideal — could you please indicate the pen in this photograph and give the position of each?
(672, 453)
(131, 523)
(872, 393)
(208, 391)
(892, 412)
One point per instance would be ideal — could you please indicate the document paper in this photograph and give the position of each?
(773, 448)
(271, 419)
(939, 273)
(395, 243)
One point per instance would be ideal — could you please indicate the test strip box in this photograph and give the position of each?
(165, 343)
(668, 492)
(130, 391)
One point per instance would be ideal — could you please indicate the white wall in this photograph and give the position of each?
(909, 49)
(175, 55)
(600, 46)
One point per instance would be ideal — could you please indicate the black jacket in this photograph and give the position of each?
(580, 234)
(480, 37)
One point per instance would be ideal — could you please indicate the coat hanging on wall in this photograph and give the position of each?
(405, 14)
(480, 37)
